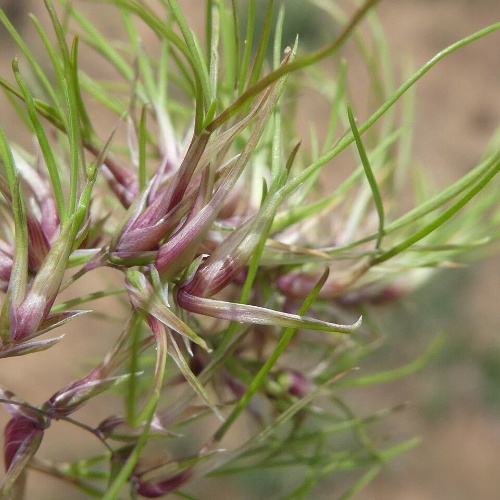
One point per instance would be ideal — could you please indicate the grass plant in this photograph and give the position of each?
(251, 288)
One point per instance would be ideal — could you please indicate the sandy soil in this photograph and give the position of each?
(458, 107)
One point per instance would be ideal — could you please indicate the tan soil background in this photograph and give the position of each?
(455, 401)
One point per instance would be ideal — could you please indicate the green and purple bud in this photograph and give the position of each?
(294, 383)
(159, 488)
(27, 316)
(117, 428)
(6, 261)
(69, 399)
(23, 435)
(121, 180)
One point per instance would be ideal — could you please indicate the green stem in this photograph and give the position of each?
(266, 368)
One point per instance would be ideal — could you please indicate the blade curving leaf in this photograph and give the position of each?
(145, 298)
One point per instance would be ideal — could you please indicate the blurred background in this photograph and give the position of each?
(454, 403)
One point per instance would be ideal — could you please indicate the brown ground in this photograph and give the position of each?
(456, 401)
(458, 107)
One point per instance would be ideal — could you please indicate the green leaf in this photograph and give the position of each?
(19, 274)
(47, 86)
(285, 69)
(263, 43)
(377, 197)
(390, 375)
(203, 94)
(444, 217)
(348, 139)
(259, 379)
(247, 47)
(43, 141)
(177, 356)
